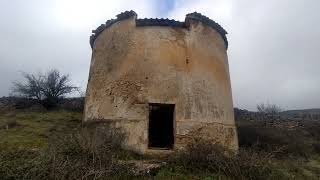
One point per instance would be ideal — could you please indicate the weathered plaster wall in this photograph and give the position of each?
(133, 66)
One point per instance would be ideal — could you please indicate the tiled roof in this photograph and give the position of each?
(161, 22)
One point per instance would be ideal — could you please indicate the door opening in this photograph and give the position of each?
(161, 132)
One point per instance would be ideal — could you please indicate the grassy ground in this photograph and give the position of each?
(32, 129)
(52, 145)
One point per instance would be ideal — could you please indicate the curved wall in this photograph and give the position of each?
(133, 66)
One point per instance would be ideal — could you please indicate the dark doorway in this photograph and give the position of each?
(161, 126)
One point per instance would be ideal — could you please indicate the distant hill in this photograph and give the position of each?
(302, 114)
(299, 114)
(306, 111)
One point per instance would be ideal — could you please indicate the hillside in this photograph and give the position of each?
(56, 145)
(303, 114)
(289, 115)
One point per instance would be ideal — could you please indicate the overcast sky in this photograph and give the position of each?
(274, 52)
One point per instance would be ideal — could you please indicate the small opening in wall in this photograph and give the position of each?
(161, 123)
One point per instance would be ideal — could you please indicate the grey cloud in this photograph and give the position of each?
(273, 53)
(33, 38)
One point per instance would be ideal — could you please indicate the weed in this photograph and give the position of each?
(293, 142)
(203, 156)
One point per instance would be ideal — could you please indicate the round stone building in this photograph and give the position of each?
(162, 82)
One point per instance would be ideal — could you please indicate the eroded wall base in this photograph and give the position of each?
(136, 134)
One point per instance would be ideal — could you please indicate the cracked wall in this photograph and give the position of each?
(134, 66)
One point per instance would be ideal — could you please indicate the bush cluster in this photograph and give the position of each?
(203, 156)
(89, 153)
(302, 141)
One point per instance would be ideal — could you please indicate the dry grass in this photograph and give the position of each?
(88, 153)
(202, 156)
(302, 141)
(54, 145)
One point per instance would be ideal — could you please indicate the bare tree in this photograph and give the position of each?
(56, 86)
(272, 109)
(32, 88)
(48, 88)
